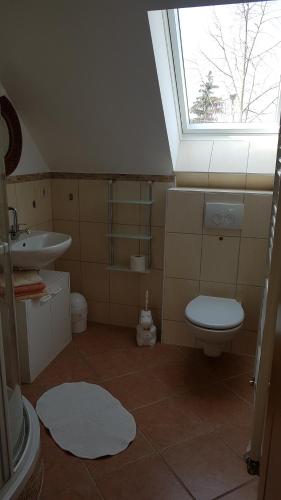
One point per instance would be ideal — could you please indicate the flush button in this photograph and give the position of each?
(224, 215)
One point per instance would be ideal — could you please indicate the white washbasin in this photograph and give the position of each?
(38, 249)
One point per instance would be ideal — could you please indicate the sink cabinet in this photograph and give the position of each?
(44, 325)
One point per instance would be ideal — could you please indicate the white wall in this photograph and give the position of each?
(31, 159)
(164, 76)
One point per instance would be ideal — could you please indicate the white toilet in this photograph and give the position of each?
(216, 320)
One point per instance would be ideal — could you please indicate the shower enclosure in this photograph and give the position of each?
(19, 430)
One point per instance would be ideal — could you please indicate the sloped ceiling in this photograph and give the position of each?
(82, 76)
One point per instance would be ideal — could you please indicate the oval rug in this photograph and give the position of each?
(86, 420)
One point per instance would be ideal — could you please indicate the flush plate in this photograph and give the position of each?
(224, 215)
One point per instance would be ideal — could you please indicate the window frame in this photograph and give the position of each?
(172, 25)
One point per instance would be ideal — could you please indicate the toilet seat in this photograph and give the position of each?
(214, 313)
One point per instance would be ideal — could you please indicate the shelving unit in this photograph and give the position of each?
(113, 235)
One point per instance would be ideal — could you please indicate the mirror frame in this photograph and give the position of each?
(8, 113)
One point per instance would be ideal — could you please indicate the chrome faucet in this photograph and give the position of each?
(15, 230)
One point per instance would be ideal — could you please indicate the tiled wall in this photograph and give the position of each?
(33, 200)
(240, 163)
(212, 262)
(80, 209)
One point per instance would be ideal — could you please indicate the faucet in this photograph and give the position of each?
(15, 230)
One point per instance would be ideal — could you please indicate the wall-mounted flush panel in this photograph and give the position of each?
(224, 215)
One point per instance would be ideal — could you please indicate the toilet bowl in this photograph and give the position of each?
(216, 320)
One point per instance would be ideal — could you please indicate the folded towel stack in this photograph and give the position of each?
(27, 285)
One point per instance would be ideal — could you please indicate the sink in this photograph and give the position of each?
(38, 249)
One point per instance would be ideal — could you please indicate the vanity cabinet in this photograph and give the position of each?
(44, 325)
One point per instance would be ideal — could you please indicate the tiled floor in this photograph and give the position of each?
(193, 416)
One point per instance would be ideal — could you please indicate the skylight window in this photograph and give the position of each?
(227, 61)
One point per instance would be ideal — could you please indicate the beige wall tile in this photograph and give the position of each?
(230, 155)
(71, 228)
(124, 315)
(11, 195)
(93, 200)
(257, 215)
(250, 298)
(194, 155)
(44, 200)
(124, 248)
(153, 282)
(98, 312)
(183, 254)
(219, 259)
(192, 179)
(157, 319)
(184, 211)
(159, 190)
(244, 343)
(26, 194)
(174, 332)
(74, 269)
(157, 248)
(122, 213)
(43, 226)
(227, 181)
(93, 242)
(217, 289)
(252, 262)
(260, 182)
(95, 281)
(65, 199)
(124, 288)
(177, 294)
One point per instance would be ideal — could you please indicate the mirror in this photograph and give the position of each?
(10, 135)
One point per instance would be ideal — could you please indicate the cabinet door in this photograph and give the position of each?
(61, 320)
(39, 335)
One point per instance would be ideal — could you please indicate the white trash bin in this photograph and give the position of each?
(79, 312)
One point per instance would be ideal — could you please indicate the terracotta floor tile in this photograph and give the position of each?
(101, 338)
(69, 366)
(139, 448)
(32, 392)
(246, 492)
(146, 479)
(116, 362)
(137, 389)
(237, 437)
(184, 375)
(218, 406)
(206, 466)
(227, 365)
(68, 480)
(170, 421)
(240, 385)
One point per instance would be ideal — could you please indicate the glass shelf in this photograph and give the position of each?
(129, 236)
(126, 269)
(131, 202)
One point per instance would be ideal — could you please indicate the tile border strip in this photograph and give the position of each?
(89, 176)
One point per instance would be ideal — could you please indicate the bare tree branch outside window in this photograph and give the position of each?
(240, 47)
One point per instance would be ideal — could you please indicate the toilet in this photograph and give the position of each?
(216, 320)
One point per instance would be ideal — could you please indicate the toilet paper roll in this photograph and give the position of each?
(138, 263)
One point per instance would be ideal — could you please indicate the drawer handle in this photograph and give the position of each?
(56, 291)
(46, 298)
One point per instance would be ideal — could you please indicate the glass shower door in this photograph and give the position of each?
(12, 422)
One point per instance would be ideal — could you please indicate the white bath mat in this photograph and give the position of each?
(86, 420)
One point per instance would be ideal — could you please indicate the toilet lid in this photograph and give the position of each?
(214, 312)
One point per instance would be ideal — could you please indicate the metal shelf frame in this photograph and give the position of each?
(112, 235)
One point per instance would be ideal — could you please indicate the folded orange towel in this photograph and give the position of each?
(24, 289)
